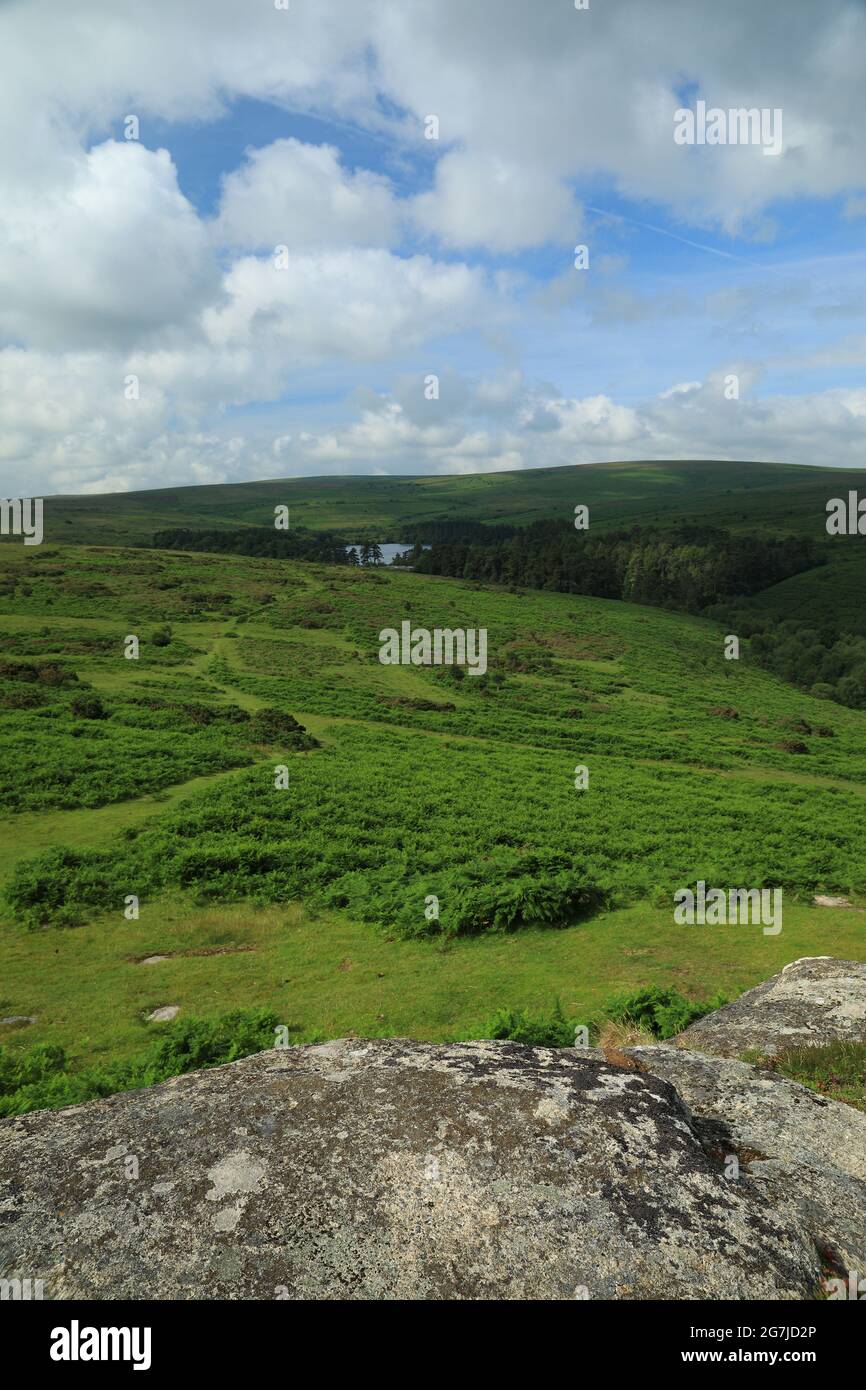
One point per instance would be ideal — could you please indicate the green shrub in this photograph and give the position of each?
(525, 902)
(509, 889)
(192, 1043)
(662, 1012)
(88, 707)
(60, 884)
(43, 1078)
(21, 699)
(275, 726)
(536, 1030)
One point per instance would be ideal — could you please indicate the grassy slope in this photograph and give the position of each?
(757, 497)
(330, 976)
(675, 786)
(762, 495)
(832, 595)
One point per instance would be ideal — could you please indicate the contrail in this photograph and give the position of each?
(662, 231)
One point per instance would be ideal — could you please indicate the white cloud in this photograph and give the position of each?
(683, 388)
(595, 420)
(56, 440)
(360, 305)
(110, 253)
(698, 422)
(572, 94)
(106, 268)
(299, 196)
(542, 94)
(483, 199)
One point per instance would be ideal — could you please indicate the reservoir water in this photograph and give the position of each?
(388, 549)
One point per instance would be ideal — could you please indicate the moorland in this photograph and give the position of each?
(254, 812)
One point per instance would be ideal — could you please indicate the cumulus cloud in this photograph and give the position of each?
(107, 268)
(360, 305)
(690, 420)
(546, 94)
(482, 199)
(569, 94)
(296, 195)
(109, 254)
(138, 444)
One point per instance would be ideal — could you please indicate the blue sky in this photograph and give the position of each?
(148, 335)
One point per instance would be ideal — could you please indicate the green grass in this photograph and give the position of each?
(777, 496)
(836, 1070)
(27, 833)
(324, 973)
(400, 801)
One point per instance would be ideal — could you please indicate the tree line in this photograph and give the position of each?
(686, 569)
(696, 569)
(261, 541)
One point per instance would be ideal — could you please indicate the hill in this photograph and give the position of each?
(771, 496)
(772, 499)
(155, 778)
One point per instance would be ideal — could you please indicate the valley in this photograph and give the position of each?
(403, 782)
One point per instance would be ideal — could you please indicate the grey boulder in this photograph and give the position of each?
(805, 1152)
(814, 1000)
(391, 1170)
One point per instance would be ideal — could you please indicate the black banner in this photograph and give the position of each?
(153, 1338)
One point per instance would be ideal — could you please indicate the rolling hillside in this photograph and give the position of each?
(765, 496)
(155, 777)
(760, 498)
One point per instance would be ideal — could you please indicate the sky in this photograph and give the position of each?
(231, 250)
